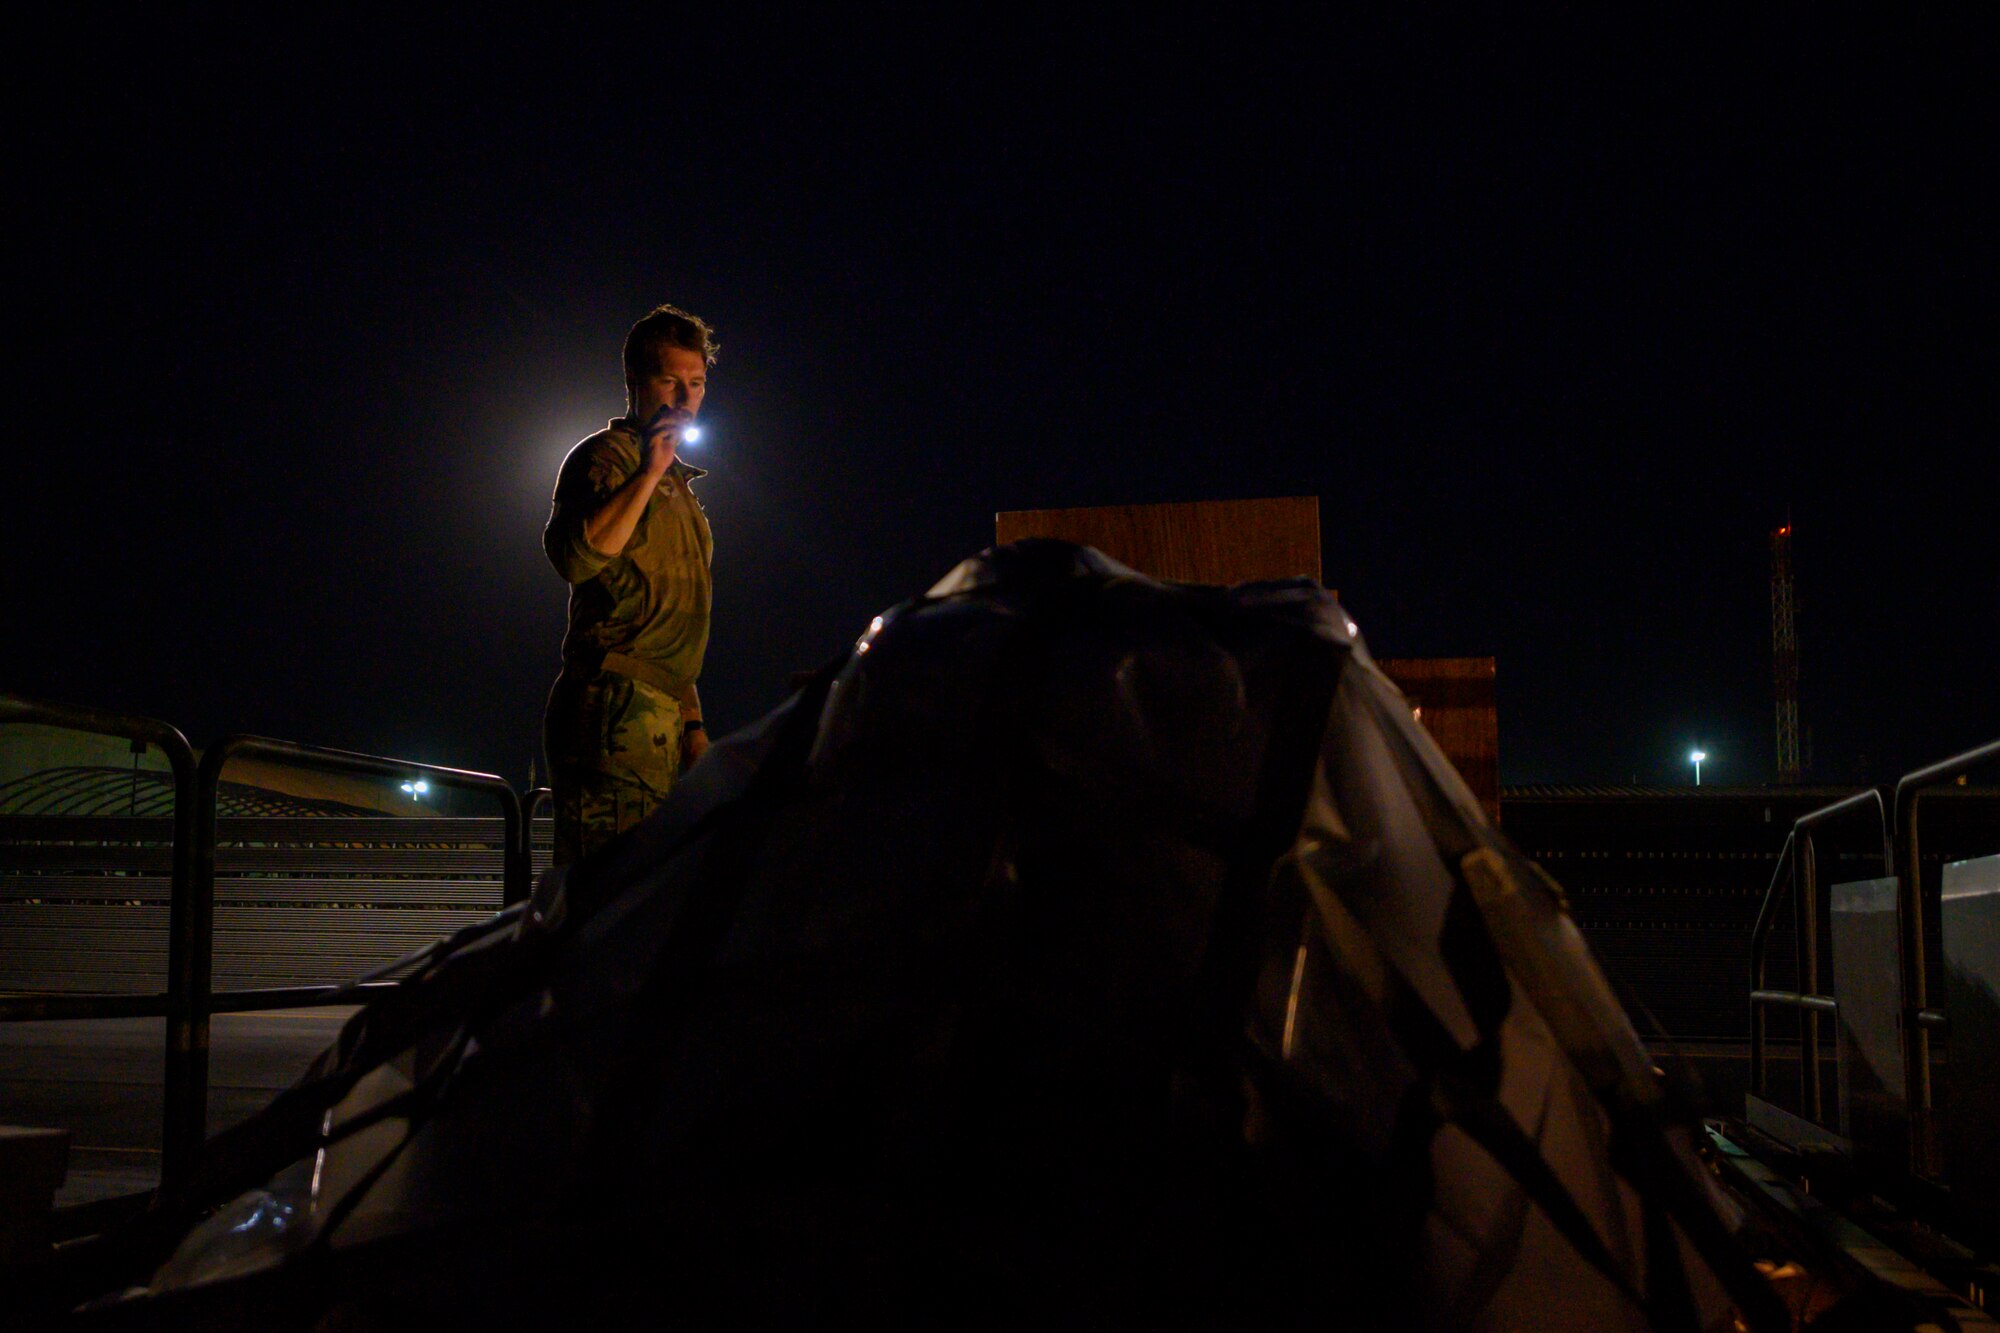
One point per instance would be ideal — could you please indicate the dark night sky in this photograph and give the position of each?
(1557, 325)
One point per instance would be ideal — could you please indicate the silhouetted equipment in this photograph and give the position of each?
(1785, 654)
(1079, 950)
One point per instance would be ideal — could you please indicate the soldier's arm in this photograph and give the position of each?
(598, 502)
(694, 739)
(690, 701)
(617, 519)
(613, 524)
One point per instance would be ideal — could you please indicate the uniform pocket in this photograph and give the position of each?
(643, 734)
(610, 699)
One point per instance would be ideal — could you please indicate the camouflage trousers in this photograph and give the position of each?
(614, 750)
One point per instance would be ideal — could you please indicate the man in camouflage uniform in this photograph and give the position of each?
(628, 536)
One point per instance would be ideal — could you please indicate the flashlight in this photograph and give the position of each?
(689, 433)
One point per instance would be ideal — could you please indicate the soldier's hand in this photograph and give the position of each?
(663, 438)
(694, 744)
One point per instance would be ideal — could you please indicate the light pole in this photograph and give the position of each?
(1695, 757)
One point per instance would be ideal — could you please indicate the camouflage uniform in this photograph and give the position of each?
(638, 628)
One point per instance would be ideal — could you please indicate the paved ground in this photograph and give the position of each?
(101, 1080)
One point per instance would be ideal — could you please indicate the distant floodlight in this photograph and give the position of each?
(422, 786)
(410, 788)
(1695, 757)
(692, 435)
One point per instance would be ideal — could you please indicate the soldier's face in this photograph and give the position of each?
(677, 384)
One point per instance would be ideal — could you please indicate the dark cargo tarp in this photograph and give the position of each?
(1080, 950)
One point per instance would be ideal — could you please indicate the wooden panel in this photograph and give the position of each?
(1454, 699)
(1207, 541)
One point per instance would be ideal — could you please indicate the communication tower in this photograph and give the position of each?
(1785, 653)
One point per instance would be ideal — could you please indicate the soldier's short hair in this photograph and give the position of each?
(665, 326)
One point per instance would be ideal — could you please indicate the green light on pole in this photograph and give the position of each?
(1695, 757)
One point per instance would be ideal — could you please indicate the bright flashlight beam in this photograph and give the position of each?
(692, 435)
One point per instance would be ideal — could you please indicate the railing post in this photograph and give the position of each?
(1916, 988)
(191, 955)
(517, 872)
(180, 904)
(1805, 905)
(530, 800)
(1800, 850)
(1760, 966)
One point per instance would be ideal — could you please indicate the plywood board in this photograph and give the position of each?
(1455, 701)
(1205, 541)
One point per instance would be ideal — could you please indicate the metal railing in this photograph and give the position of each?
(190, 999)
(1799, 861)
(186, 1094)
(179, 1004)
(1798, 875)
(532, 800)
(1918, 1016)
